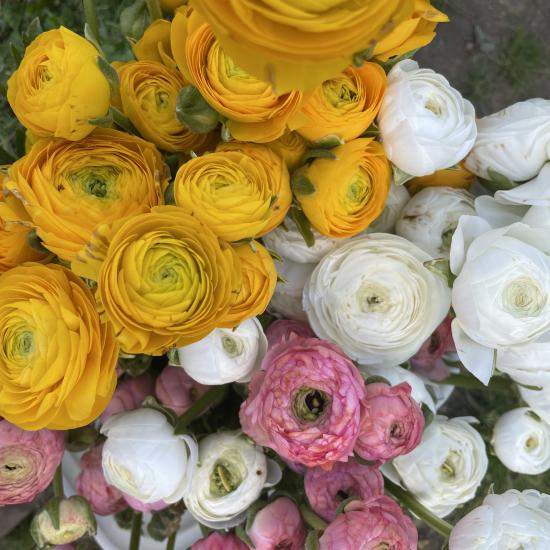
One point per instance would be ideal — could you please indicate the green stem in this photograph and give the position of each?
(171, 544)
(409, 502)
(200, 405)
(153, 6)
(136, 531)
(312, 519)
(497, 384)
(58, 483)
(90, 14)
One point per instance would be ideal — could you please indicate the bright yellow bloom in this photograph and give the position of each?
(57, 360)
(240, 192)
(297, 45)
(154, 45)
(415, 32)
(254, 111)
(344, 106)
(148, 92)
(259, 277)
(349, 192)
(58, 86)
(456, 176)
(291, 146)
(68, 188)
(163, 279)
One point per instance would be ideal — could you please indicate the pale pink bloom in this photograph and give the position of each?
(391, 424)
(305, 403)
(278, 525)
(28, 461)
(428, 361)
(143, 506)
(326, 490)
(176, 390)
(378, 523)
(91, 484)
(283, 330)
(129, 395)
(217, 541)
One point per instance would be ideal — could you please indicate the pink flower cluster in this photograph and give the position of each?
(217, 541)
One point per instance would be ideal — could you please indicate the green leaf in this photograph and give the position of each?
(359, 58)
(531, 413)
(320, 152)
(194, 112)
(151, 403)
(329, 142)
(300, 184)
(135, 19)
(441, 267)
(122, 121)
(342, 506)
(428, 415)
(243, 535)
(169, 196)
(252, 512)
(303, 225)
(312, 541)
(497, 182)
(35, 242)
(32, 31)
(104, 122)
(90, 37)
(400, 177)
(109, 72)
(16, 52)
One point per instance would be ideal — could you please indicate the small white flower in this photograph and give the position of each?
(425, 124)
(226, 355)
(521, 440)
(230, 476)
(396, 201)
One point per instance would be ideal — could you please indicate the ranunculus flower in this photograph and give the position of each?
(144, 507)
(234, 193)
(166, 280)
(430, 218)
(155, 45)
(91, 484)
(376, 523)
(28, 461)
(457, 177)
(326, 490)
(255, 112)
(301, 47)
(70, 188)
(219, 541)
(425, 124)
(144, 459)
(305, 403)
(412, 34)
(57, 366)
(291, 147)
(521, 440)
(349, 192)
(514, 142)
(342, 107)
(58, 86)
(282, 330)
(396, 200)
(129, 395)
(286, 241)
(176, 390)
(230, 476)
(448, 466)
(391, 422)
(511, 520)
(375, 299)
(278, 525)
(226, 355)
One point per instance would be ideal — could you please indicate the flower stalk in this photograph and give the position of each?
(58, 483)
(136, 531)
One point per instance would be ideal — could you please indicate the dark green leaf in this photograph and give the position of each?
(359, 58)
(35, 242)
(105, 121)
(16, 52)
(533, 415)
(135, 19)
(301, 185)
(316, 153)
(497, 182)
(303, 225)
(312, 541)
(194, 112)
(329, 142)
(109, 72)
(32, 31)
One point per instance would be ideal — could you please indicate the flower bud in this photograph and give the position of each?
(176, 390)
(282, 330)
(129, 395)
(166, 522)
(219, 541)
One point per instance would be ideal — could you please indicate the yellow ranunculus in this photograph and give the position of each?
(254, 111)
(344, 106)
(456, 176)
(57, 360)
(291, 147)
(259, 277)
(415, 32)
(297, 45)
(154, 45)
(240, 192)
(148, 92)
(163, 279)
(68, 188)
(58, 86)
(349, 192)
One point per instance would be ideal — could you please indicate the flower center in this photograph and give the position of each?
(224, 479)
(523, 297)
(233, 347)
(162, 100)
(310, 404)
(396, 430)
(373, 298)
(434, 106)
(531, 443)
(94, 180)
(19, 345)
(449, 467)
(383, 546)
(340, 92)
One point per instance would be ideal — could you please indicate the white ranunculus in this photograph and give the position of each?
(538, 397)
(514, 142)
(226, 355)
(425, 124)
(501, 296)
(397, 199)
(287, 242)
(231, 474)
(535, 192)
(431, 216)
(511, 521)
(374, 298)
(521, 440)
(497, 214)
(448, 466)
(144, 459)
(287, 298)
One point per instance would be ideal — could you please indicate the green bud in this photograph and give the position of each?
(80, 439)
(166, 522)
(134, 365)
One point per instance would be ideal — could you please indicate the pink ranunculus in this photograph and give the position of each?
(326, 490)
(144, 507)
(91, 484)
(129, 395)
(217, 541)
(391, 422)
(176, 390)
(283, 330)
(28, 461)
(278, 525)
(305, 403)
(428, 361)
(373, 524)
